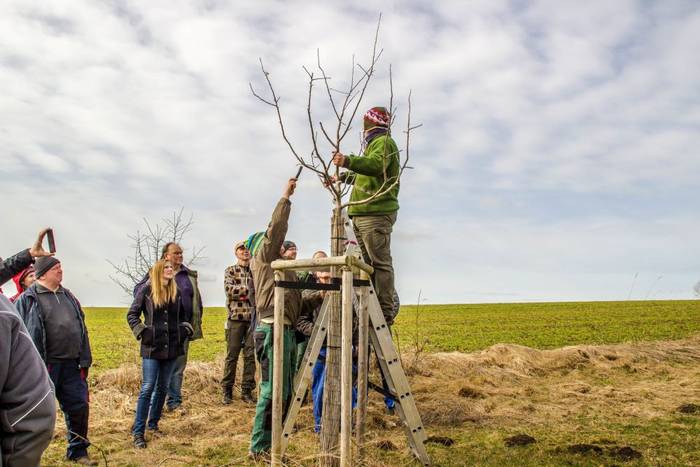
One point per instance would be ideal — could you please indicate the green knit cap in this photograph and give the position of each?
(254, 241)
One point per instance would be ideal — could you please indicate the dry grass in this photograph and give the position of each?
(505, 387)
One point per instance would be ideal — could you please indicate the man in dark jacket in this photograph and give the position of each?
(27, 404)
(303, 339)
(56, 323)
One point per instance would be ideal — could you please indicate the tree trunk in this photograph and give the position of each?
(330, 421)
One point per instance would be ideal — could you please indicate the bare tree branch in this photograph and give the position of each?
(146, 249)
(366, 79)
(275, 103)
(325, 81)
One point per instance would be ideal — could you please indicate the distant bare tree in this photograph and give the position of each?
(146, 249)
(696, 289)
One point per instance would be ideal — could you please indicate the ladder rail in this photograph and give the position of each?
(390, 364)
(303, 377)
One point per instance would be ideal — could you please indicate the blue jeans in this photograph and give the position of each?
(156, 374)
(318, 374)
(72, 395)
(175, 384)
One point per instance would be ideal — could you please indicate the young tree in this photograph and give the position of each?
(696, 289)
(146, 249)
(343, 105)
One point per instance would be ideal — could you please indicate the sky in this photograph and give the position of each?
(557, 158)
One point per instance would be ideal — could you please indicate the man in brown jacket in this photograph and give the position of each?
(265, 250)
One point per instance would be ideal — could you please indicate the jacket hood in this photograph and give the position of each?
(17, 279)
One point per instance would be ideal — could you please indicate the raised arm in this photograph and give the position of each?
(277, 230)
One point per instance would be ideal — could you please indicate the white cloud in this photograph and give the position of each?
(555, 136)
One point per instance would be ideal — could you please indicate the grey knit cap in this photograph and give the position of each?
(43, 264)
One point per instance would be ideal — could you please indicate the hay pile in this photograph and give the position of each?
(504, 385)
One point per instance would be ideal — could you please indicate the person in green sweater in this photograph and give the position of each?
(374, 201)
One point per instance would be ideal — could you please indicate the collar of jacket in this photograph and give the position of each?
(374, 133)
(188, 271)
(41, 289)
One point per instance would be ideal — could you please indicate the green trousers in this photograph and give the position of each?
(374, 237)
(261, 438)
(301, 348)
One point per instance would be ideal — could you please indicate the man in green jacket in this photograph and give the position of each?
(374, 201)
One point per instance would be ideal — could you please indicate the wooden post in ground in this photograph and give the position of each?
(346, 372)
(277, 366)
(362, 371)
(330, 419)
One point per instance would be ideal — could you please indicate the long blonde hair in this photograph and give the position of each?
(161, 294)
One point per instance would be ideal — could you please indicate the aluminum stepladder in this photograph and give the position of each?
(389, 364)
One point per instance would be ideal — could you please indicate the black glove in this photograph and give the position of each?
(187, 327)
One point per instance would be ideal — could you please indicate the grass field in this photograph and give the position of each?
(613, 398)
(445, 328)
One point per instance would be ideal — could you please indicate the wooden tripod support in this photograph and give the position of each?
(372, 327)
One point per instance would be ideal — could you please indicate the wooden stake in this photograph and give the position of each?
(346, 372)
(277, 365)
(330, 419)
(362, 372)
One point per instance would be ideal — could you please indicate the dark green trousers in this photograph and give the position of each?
(301, 348)
(261, 438)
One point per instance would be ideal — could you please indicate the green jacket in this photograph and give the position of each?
(379, 163)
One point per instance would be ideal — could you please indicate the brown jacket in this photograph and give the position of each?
(264, 276)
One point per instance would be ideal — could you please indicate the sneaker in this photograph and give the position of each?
(85, 460)
(228, 397)
(139, 441)
(172, 408)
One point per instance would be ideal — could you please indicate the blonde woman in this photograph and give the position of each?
(163, 331)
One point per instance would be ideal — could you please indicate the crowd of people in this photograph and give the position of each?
(46, 352)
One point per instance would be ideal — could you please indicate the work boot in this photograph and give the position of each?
(139, 441)
(228, 396)
(247, 396)
(263, 456)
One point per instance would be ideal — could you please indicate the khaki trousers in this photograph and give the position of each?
(374, 236)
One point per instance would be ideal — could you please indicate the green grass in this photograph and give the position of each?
(463, 328)
(466, 328)
(672, 440)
